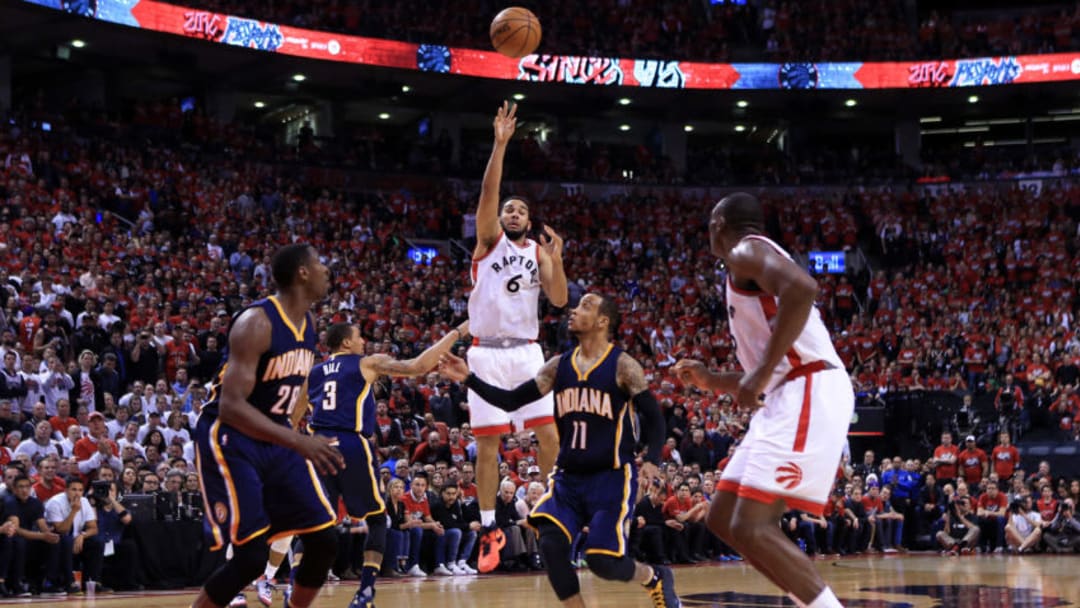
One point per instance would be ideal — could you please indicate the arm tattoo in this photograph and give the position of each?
(545, 378)
(385, 365)
(630, 376)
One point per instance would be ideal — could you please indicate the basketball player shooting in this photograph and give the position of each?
(601, 390)
(508, 271)
(789, 456)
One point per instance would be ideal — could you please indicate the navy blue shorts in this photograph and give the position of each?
(602, 501)
(356, 483)
(252, 488)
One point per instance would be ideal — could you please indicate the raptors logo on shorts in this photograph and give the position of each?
(789, 476)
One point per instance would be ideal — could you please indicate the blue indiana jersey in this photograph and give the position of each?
(341, 397)
(595, 418)
(282, 369)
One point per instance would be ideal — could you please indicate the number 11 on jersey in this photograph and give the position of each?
(579, 438)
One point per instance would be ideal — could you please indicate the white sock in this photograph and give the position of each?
(825, 599)
(487, 517)
(797, 601)
(270, 571)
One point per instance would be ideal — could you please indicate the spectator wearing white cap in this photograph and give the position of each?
(532, 475)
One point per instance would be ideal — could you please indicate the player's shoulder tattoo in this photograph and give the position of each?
(630, 375)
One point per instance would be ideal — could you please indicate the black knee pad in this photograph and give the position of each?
(612, 568)
(247, 563)
(555, 548)
(376, 534)
(320, 551)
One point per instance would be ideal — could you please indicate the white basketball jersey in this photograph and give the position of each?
(750, 315)
(505, 299)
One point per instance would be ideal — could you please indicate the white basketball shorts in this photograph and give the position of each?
(507, 368)
(792, 449)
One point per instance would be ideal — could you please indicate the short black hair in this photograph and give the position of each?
(608, 308)
(287, 261)
(20, 477)
(75, 479)
(515, 197)
(742, 212)
(337, 334)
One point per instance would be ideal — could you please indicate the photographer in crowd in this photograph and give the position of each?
(1062, 534)
(121, 555)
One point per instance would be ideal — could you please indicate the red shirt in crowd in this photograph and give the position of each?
(674, 507)
(872, 504)
(416, 508)
(1005, 459)
(972, 463)
(1047, 507)
(45, 493)
(996, 504)
(946, 456)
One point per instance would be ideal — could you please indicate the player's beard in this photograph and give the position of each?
(514, 235)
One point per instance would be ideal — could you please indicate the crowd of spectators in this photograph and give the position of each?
(846, 30)
(960, 500)
(125, 254)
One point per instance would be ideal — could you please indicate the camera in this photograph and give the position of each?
(99, 493)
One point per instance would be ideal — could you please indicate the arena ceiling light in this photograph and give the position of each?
(405, 88)
(624, 127)
(624, 101)
(742, 103)
(740, 128)
(973, 99)
(929, 119)
(518, 96)
(78, 43)
(688, 128)
(260, 104)
(851, 103)
(384, 116)
(299, 77)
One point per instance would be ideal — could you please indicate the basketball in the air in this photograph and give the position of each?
(515, 32)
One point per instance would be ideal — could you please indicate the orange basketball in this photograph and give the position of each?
(515, 32)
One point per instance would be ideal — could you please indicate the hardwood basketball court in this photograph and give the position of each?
(914, 581)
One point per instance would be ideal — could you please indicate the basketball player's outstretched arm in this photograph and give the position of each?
(511, 400)
(248, 340)
(487, 212)
(384, 365)
(631, 378)
(777, 275)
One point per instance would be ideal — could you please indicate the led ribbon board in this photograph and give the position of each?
(609, 71)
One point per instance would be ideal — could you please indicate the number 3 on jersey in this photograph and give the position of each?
(286, 400)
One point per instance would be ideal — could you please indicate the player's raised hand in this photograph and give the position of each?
(551, 242)
(691, 371)
(453, 368)
(321, 452)
(505, 122)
